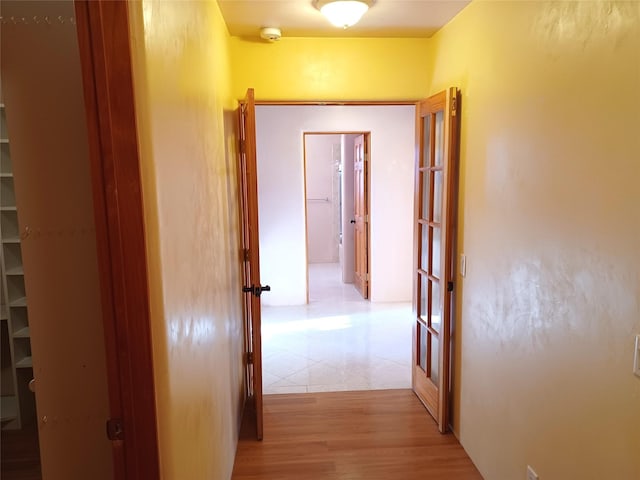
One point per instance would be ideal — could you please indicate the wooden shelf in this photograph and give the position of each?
(14, 306)
(15, 271)
(11, 240)
(19, 302)
(24, 363)
(8, 408)
(22, 333)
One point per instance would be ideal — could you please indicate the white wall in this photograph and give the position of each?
(281, 195)
(323, 196)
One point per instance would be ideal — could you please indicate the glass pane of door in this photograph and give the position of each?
(436, 233)
(436, 306)
(424, 297)
(434, 363)
(437, 196)
(426, 197)
(439, 138)
(426, 136)
(424, 247)
(422, 346)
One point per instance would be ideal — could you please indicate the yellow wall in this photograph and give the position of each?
(550, 222)
(182, 80)
(330, 68)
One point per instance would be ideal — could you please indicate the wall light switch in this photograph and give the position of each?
(636, 357)
(463, 265)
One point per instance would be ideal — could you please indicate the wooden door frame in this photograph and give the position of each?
(367, 141)
(103, 38)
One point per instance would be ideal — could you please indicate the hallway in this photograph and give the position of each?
(337, 342)
(381, 435)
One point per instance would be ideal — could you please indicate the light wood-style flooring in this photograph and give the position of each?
(383, 434)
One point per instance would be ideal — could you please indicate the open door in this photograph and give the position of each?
(434, 223)
(64, 340)
(361, 215)
(74, 154)
(248, 178)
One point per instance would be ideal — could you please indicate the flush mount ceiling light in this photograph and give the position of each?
(343, 13)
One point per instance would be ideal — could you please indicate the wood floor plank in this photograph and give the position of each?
(20, 455)
(382, 434)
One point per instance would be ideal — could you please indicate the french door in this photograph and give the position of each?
(248, 179)
(434, 225)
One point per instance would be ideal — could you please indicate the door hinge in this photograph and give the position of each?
(115, 429)
(242, 146)
(366, 218)
(245, 254)
(449, 286)
(250, 358)
(454, 106)
(366, 277)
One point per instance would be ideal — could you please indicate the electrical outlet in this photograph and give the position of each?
(531, 474)
(636, 357)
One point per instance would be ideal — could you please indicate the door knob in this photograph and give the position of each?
(256, 290)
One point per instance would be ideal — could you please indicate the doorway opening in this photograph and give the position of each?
(337, 211)
(67, 249)
(318, 331)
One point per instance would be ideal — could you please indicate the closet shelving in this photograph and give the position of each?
(15, 347)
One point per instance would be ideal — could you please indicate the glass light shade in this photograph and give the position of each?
(344, 13)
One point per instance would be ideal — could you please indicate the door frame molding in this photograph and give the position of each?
(103, 39)
(367, 139)
(337, 103)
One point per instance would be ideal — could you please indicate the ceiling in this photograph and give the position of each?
(299, 18)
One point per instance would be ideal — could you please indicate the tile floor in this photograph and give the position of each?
(337, 342)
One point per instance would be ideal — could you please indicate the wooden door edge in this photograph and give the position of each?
(104, 44)
(241, 258)
(251, 167)
(449, 203)
(306, 214)
(452, 214)
(367, 182)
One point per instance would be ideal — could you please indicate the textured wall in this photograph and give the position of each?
(331, 68)
(551, 227)
(186, 130)
(321, 172)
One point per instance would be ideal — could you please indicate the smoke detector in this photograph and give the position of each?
(270, 34)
